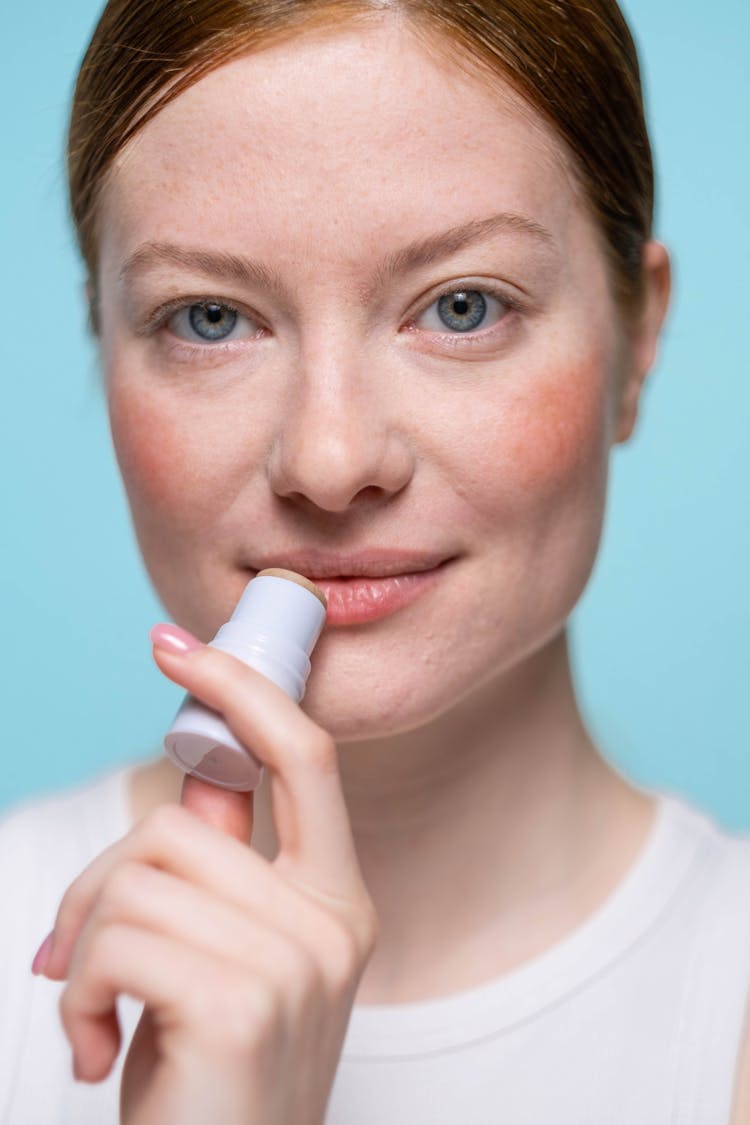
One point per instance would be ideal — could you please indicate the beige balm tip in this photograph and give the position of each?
(292, 576)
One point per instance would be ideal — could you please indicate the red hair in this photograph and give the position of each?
(574, 61)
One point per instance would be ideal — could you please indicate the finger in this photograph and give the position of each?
(211, 1005)
(147, 899)
(174, 840)
(124, 960)
(230, 812)
(313, 823)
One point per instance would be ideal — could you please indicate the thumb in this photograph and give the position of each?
(230, 812)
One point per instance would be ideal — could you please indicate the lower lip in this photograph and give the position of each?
(355, 601)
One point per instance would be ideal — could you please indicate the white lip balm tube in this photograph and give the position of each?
(274, 628)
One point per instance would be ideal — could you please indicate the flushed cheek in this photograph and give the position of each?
(550, 446)
(171, 465)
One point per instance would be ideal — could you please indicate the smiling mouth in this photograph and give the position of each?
(358, 598)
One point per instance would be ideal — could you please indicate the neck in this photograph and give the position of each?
(485, 835)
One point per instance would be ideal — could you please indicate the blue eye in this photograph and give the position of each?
(210, 322)
(462, 310)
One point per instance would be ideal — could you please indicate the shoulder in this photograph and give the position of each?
(741, 1113)
(731, 900)
(46, 842)
(720, 927)
(723, 855)
(44, 845)
(99, 806)
(718, 892)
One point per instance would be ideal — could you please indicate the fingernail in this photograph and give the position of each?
(173, 639)
(42, 955)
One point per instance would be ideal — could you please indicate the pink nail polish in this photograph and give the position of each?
(42, 955)
(173, 639)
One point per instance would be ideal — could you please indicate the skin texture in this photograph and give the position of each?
(184, 916)
(346, 416)
(340, 429)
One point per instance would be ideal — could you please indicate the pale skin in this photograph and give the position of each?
(440, 744)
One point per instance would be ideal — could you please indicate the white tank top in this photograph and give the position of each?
(636, 1018)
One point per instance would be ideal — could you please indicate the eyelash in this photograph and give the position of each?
(479, 336)
(158, 319)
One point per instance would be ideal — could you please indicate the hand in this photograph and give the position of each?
(247, 968)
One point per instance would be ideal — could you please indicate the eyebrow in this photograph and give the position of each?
(434, 248)
(218, 263)
(424, 252)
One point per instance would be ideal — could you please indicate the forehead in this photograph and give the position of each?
(336, 139)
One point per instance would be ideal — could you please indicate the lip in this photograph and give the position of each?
(366, 586)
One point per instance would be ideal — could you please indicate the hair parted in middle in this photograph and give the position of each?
(574, 61)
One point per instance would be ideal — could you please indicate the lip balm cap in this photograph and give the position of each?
(281, 616)
(274, 628)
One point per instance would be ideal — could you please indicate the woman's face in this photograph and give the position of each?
(422, 358)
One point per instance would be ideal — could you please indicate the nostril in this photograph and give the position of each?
(336, 466)
(331, 503)
(333, 482)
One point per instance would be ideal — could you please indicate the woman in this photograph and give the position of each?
(376, 293)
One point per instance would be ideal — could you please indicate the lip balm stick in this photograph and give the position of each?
(274, 628)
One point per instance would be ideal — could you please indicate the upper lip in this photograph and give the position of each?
(377, 562)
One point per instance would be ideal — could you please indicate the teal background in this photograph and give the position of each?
(660, 637)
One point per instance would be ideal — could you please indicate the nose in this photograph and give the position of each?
(341, 438)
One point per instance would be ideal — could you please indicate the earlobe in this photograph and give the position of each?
(644, 335)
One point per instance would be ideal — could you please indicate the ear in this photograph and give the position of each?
(643, 335)
(92, 304)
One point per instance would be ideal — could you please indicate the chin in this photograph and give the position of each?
(362, 698)
(380, 708)
(344, 727)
